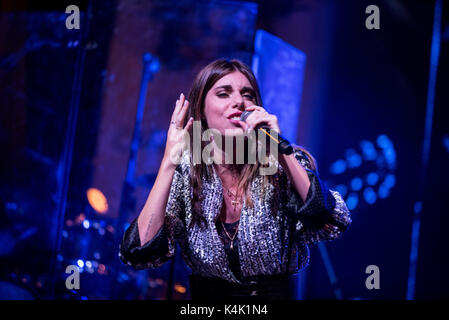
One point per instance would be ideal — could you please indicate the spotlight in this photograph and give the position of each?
(372, 178)
(86, 224)
(356, 184)
(338, 167)
(97, 200)
(369, 195)
(352, 201)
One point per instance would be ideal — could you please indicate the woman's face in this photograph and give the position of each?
(226, 101)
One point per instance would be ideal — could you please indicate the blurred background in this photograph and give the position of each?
(370, 105)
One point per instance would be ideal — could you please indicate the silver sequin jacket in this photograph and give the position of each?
(273, 235)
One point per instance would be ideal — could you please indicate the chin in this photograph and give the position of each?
(233, 132)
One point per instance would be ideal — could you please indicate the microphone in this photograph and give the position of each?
(284, 145)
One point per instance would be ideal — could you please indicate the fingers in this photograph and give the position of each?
(180, 111)
(178, 106)
(258, 116)
(189, 124)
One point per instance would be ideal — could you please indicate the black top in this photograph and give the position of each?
(232, 254)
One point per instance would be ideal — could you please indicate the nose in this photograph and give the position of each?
(239, 102)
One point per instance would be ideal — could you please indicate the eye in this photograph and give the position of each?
(249, 96)
(222, 95)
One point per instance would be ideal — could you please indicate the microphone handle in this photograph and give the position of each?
(284, 145)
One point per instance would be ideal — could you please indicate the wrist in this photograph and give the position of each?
(167, 164)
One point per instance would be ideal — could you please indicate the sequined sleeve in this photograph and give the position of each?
(161, 248)
(322, 206)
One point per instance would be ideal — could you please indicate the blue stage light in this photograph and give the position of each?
(390, 180)
(390, 157)
(353, 158)
(80, 263)
(368, 150)
(86, 224)
(383, 191)
(352, 201)
(372, 178)
(338, 167)
(369, 195)
(356, 184)
(384, 142)
(341, 189)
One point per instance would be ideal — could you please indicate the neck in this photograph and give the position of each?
(225, 159)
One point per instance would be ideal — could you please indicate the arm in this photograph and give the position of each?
(158, 242)
(296, 174)
(322, 213)
(149, 241)
(151, 218)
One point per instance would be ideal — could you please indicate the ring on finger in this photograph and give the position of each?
(176, 125)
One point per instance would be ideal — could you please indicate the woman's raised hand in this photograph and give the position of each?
(177, 136)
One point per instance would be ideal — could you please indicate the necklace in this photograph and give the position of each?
(236, 200)
(227, 234)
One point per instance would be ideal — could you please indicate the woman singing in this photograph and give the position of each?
(241, 232)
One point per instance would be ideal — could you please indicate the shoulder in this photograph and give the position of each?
(304, 157)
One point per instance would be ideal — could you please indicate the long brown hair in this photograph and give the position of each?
(203, 82)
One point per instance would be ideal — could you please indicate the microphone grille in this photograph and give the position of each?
(245, 115)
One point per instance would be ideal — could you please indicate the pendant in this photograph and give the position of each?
(232, 242)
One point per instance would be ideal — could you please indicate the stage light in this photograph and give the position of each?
(101, 269)
(356, 184)
(338, 167)
(369, 195)
(80, 263)
(97, 200)
(352, 201)
(181, 289)
(383, 191)
(88, 264)
(368, 150)
(86, 224)
(390, 180)
(384, 142)
(372, 178)
(353, 158)
(358, 173)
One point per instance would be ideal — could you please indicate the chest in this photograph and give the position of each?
(230, 209)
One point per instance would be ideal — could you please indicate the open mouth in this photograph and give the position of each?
(235, 117)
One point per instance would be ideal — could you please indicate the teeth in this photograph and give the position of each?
(235, 118)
